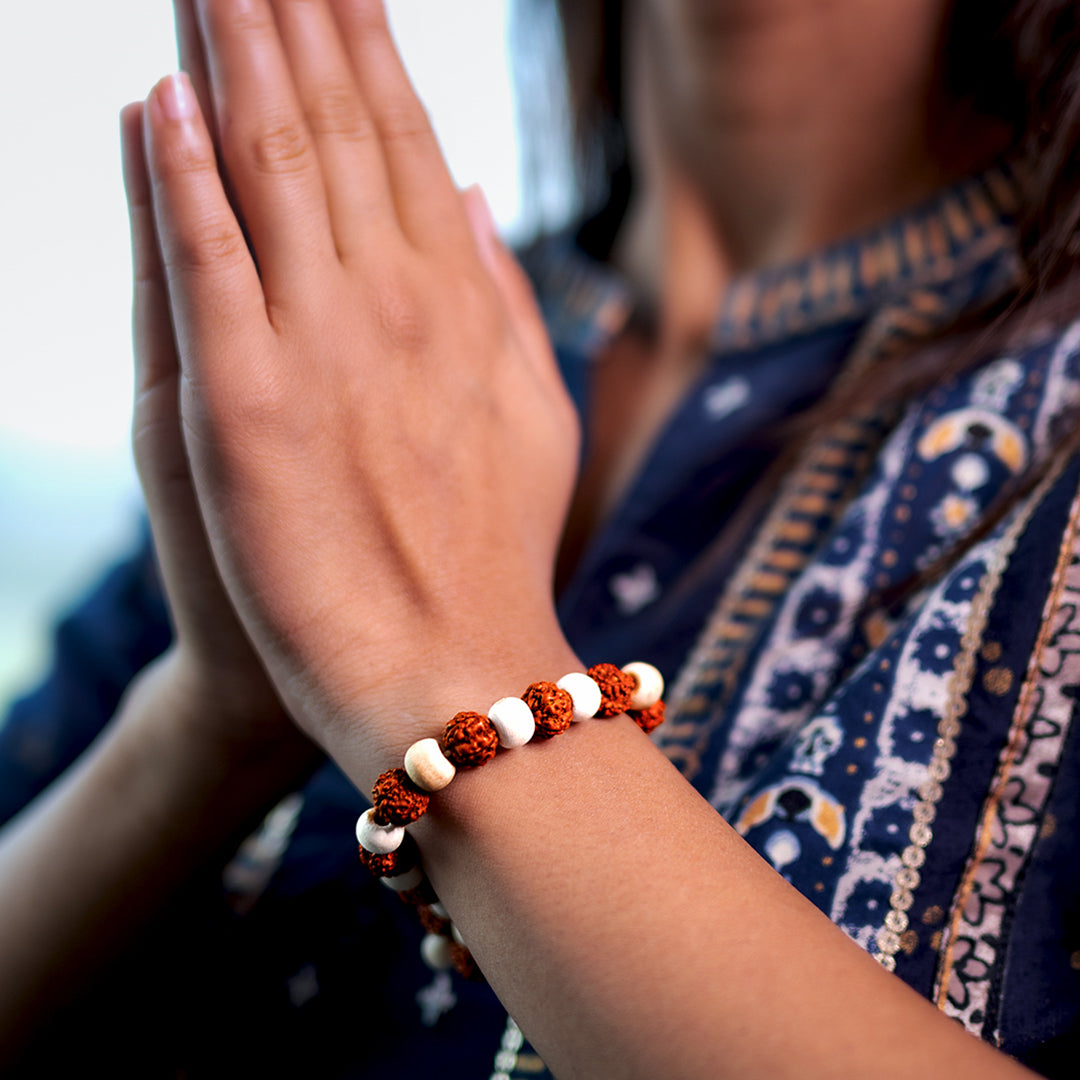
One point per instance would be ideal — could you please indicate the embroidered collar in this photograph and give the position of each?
(586, 303)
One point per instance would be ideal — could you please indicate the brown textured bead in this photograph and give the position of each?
(552, 708)
(398, 801)
(469, 741)
(616, 689)
(395, 863)
(464, 963)
(650, 718)
(431, 922)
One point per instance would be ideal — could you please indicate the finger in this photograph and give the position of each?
(214, 290)
(354, 172)
(265, 144)
(156, 439)
(424, 193)
(513, 286)
(193, 58)
(155, 353)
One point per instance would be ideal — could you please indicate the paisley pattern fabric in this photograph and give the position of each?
(877, 689)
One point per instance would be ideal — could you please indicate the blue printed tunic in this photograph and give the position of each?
(876, 687)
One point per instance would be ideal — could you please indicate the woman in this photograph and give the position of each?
(378, 440)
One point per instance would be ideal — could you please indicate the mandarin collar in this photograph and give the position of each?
(586, 303)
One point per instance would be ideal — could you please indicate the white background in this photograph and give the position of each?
(68, 498)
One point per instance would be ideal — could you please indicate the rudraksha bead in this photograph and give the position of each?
(431, 922)
(396, 862)
(616, 689)
(469, 740)
(552, 708)
(464, 964)
(398, 801)
(650, 718)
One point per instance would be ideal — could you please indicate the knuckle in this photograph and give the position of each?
(280, 149)
(213, 246)
(261, 405)
(400, 320)
(368, 15)
(406, 124)
(239, 18)
(336, 112)
(250, 401)
(184, 161)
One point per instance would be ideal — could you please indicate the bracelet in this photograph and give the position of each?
(470, 740)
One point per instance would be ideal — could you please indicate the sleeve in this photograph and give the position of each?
(98, 648)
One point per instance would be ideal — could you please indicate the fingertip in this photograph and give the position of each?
(174, 137)
(173, 99)
(131, 115)
(482, 223)
(479, 210)
(131, 122)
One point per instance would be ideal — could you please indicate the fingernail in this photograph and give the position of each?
(177, 98)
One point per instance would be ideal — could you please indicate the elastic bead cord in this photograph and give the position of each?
(470, 740)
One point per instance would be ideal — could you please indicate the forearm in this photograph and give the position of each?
(86, 867)
(632, 933)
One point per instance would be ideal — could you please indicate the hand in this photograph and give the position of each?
(228, 697)
(380, 441)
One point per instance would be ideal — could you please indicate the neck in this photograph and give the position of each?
(766, 129)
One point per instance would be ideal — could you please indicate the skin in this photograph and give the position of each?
(373, 430)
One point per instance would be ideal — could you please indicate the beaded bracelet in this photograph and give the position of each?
(471, 739)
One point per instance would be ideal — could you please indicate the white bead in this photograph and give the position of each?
(378, 839)
(438, 910)
(427, 765)
(650, 685)
(455, 933)
(584, 692)
(404, 882)
(513, 720)
(435, 952)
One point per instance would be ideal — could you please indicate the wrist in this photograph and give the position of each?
(402, 796)
(446, 681)
(177, 715)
